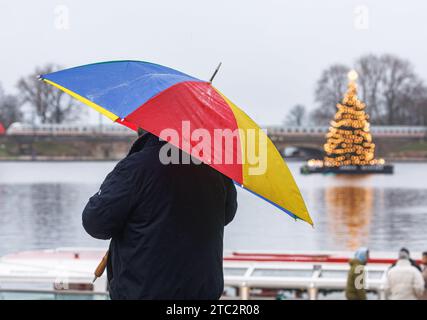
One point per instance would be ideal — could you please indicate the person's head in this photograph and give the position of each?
(362, 254)
(404, 253)
(424, 259)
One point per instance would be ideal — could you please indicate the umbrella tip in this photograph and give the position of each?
(215, 72)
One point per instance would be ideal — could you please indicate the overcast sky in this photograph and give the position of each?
(272, 51)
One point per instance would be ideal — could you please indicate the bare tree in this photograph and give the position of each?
(296, 116)
(51, 105)
(389, 87)
(370, 70)
(9, 109)
(422, 108)
(412, 102)
(399, 84)
(329, 91)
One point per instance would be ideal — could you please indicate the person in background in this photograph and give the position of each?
(404, 280)
(413, 262)
(424, 263)
(355, 289)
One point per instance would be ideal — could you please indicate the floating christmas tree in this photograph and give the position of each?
(349, 141)
(349, 148)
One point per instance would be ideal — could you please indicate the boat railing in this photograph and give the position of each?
(69, 273)
(50, 294)
(312, 279)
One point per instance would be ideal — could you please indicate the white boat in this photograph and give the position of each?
(67, 273)
(63, 273)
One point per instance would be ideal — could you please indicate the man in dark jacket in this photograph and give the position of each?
(166, 224)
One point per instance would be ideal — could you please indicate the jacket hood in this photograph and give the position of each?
(147, 139)
(403, 263)
(362, 255)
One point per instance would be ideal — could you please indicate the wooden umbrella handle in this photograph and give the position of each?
(101, 267)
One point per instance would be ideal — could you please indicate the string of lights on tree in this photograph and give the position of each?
(349, 141)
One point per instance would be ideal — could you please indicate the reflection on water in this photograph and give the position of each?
(41, 205)
(349, 211)
(42, 216)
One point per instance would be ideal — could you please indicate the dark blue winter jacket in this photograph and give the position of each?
(166, 224)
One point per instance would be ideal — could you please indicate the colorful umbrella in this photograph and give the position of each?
(157, 98)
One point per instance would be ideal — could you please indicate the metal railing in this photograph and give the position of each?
(381, 131)
(311, 279)
(45, 294)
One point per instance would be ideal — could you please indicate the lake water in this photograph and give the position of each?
(41, 205)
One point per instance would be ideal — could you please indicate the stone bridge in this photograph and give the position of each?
(302, 142)
(310, 139)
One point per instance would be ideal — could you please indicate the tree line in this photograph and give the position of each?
(393, 93)
(42, 103)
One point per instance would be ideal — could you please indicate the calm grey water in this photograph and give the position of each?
(41, 204)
